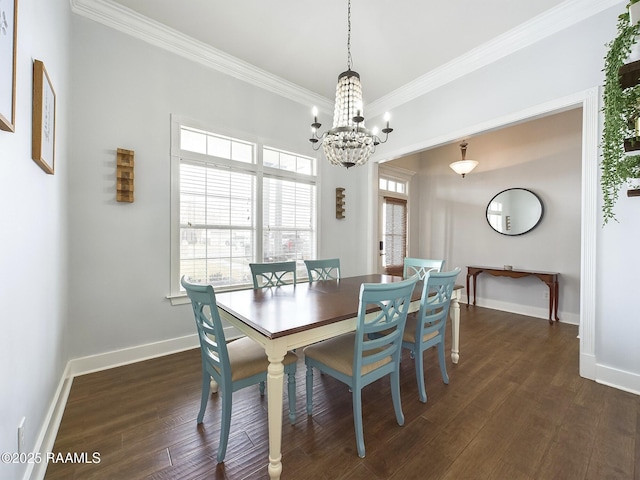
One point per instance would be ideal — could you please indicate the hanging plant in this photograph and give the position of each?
(621, 108)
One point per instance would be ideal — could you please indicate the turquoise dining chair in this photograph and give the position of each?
(356, 358)
(420, 266)
(328, 269)
(426, 329)
(234, 365)
(272, 274)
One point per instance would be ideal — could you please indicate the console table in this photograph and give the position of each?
(550, 278)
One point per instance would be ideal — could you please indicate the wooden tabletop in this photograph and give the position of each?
(288, 309)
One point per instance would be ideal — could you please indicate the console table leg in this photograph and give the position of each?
(475, 287)
(556, 297)
(551, 298)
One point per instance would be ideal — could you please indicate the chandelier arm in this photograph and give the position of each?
(386, 137)
(318, 139)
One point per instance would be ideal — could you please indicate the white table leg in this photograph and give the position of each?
(275, 384)
(454, 312)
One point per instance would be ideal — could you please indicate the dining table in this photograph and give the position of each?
(292, 316)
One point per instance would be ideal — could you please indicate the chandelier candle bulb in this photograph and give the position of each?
(387, 130)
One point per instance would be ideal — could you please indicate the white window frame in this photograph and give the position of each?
(177, 296)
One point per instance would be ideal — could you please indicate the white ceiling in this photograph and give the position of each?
(304, 42)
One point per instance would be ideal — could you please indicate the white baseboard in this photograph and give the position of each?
(588, 366)
(620, 379)
(125, 356)
(536, 312)
(49, 431)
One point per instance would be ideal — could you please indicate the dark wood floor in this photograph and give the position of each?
(515, 408)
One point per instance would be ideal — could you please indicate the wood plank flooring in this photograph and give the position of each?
(515, 408)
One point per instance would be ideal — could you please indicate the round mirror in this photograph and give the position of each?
(514, 211)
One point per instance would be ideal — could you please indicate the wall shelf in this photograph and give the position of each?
(340, 209)
(631, 144)
(629, 74)
(124, 175)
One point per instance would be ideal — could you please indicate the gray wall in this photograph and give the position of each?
(125, 92)
(542, 155)
(33, 238)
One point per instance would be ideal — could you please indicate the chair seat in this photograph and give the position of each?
(410, 330)
(337, 354)
(248, 358)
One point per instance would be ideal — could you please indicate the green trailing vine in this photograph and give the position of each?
(621, 107)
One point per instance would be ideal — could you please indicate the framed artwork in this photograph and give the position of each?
(8, 40)
(44, 118)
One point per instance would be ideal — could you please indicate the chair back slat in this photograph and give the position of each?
(327, 269)
(420, 266)
(437, 291)
(380, 336)
(213, 345)
(272, 274)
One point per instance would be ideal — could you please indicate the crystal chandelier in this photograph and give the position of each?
(349, 142)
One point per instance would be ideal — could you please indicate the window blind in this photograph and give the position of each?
(217, 224)
(395, 234)
(289, 209)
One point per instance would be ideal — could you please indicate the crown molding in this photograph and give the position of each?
(538, 28)
(132, 23)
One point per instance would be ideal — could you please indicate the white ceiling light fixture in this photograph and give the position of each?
(464, 166)
(348, 143)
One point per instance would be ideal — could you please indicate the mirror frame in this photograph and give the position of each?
(486, 214)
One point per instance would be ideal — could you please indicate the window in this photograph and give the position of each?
(235, 202)
(392, 184)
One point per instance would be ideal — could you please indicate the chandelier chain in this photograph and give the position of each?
(349, 59)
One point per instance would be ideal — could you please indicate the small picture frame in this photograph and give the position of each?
(8, 52)
(44, 119)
